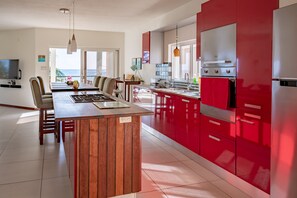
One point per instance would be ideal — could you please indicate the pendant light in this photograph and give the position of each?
(176, 51)
(69, 35)
(73, 41)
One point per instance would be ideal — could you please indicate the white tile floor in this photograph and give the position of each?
(28, 170)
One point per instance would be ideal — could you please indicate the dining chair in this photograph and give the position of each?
(46, 124)
(101, 83)
(109, 85)
(96, 81)
(42, 89)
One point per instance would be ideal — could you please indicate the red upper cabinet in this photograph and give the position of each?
(198, 35)
(217, 13)
(146, 42)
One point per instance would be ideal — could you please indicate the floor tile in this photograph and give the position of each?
(175, 153)
(21, 171)
(229, 189)
(57, 187)
(54, 151)
(22, 154)
(147, 183)
(29, 189)
(156, 156)
(200, 170)
(205, 190)
(154, 194)
(3, 144)
(23, 142)
(147, 143)
(54, 168)
(173, 174)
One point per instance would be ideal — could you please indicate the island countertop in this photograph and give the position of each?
(66, 109)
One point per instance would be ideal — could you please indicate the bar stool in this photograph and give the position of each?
(43, 93)
(46, 124)
(96, 81)
(109, 85)
(101, 83)
(67, 126)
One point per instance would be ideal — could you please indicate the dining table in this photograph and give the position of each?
(63, 86)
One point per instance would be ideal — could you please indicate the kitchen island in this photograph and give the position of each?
(104, 151)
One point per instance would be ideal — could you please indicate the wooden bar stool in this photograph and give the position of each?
(47, 123)
(67, 126)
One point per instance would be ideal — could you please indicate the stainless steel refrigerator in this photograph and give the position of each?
(284, 104)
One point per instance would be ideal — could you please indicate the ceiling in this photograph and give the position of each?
(98, 15)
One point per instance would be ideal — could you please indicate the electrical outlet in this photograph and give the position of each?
(125, 119)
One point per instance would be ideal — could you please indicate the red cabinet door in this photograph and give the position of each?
(217, 13)
(168, 129)
(187, 117)
(158, 118)
(217, 149)
(146, 44)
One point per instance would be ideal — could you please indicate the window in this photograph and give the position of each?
(186, 63)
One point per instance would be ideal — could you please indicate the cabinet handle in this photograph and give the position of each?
(252, 116)
(155, 94)
(187, 101)
(214, 138)
(246, 121)
(214, 122)
(252, 106)
(206, 71)
(166, 96)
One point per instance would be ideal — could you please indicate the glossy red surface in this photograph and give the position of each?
(215, 146)
(187, 115)
(198, 35)
(146, 42)
(254, 70)
(217, 13)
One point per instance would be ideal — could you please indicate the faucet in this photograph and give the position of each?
(187, 76)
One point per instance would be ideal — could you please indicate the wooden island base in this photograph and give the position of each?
(104, 157)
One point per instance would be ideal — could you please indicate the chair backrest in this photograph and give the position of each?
(101, 83)
(41, 84)
(36, 91)
(109, 85)
(96, 81)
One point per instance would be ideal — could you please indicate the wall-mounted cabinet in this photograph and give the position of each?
(152, 47)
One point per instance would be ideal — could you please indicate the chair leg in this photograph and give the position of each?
(41, 115)
(58, 131)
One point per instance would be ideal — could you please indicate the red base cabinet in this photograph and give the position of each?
(217, 143)
(187, 122)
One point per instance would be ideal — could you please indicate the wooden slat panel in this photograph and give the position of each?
(102, 162)
(136, 180)
(111, 157)
(119, 157)
(75, 172)
(93, 171)
(84, 159)
(128, 158)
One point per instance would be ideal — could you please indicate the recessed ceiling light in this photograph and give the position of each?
(64, 10)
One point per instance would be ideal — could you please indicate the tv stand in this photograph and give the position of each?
(10, 86)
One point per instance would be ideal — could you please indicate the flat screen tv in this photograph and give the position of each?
(9, 69)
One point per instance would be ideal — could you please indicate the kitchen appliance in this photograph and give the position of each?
(218, 72)
(284, 104)
(86, 98)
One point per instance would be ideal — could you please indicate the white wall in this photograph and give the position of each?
(26, 45)
(133, 38)
(184, 34)
(18, 44)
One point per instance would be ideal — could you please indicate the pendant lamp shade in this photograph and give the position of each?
(69, 51)
(176, 51)
(73, 44)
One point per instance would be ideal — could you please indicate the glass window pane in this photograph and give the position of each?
(185, 60)
(195, 66)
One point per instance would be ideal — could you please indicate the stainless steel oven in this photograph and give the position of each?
(218, 72)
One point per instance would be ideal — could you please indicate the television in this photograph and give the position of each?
(9, 69)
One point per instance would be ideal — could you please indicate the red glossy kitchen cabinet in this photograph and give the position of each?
(198, 35)
(217, 143)
(187, 116)
(146, 43)
(157, 121)
(254, 71)
(217, 13)
(169, 118)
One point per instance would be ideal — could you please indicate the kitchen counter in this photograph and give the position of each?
(182, 92)
(103, 153)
